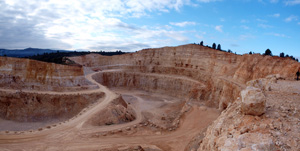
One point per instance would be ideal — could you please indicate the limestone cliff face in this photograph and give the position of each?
(31, 74)
(223, 74)
(156, 83)
(33, 107)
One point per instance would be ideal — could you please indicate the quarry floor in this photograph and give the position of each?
(147, 130)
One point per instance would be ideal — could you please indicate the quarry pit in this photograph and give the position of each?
(171, 98)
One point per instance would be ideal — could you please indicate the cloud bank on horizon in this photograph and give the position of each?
(130, 25)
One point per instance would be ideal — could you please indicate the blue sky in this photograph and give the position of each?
(130, 25)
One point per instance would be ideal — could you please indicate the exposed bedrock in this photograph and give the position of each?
(16, 73)
(221, 75)
(169, 85)
(33, 107)
(117, 112)
(253, 101)
(260, 120)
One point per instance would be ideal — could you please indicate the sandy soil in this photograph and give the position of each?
(8, 125)
(73, 135)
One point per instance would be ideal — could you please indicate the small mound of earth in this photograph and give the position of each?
(117, 112)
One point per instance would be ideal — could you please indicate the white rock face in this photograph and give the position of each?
(250, 141)
(253, 101)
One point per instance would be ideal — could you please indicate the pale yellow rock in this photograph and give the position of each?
(253, 101)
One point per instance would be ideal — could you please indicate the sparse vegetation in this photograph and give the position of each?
(201, 43)
(281, 54)
(219, 47)
(214, 45)
(58, 57)
(268, 52)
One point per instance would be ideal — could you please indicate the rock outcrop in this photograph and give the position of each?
(16, 73)
(117, 112)
(222, 75)
(176, 86)
(276, 129)
(253, 101)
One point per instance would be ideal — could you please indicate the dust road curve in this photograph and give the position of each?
(71, 134)
(75, 123)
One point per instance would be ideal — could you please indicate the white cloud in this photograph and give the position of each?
(78, 24)
(247, 36)
(182, 24)
(261, 20)
(275, 15)
(291, 18)
(274, 1)
(245, 27)
(292, 2)
(244, 21)
(265, 26)
(278, 35)
(271, 1)
(219, 28)
(208, 1)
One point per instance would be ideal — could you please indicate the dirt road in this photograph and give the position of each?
(71, 135)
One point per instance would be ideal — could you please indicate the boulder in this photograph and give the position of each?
(253, 101)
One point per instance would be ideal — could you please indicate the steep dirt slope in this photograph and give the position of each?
(19, 73)
(219, 76)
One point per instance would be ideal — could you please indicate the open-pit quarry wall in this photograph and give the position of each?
(189, 71)
(16, 73)
(37, 107)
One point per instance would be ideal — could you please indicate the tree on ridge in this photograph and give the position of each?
(201, 43)
(219, 47)
(268, 52)
(214, 46)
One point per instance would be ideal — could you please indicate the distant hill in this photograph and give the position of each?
(48, 55)
(20, 53)
(61, 57)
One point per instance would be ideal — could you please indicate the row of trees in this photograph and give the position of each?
(57, 57)
(267, 52)
(282, 55)
(214, 46)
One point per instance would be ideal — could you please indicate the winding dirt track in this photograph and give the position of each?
(71, 135)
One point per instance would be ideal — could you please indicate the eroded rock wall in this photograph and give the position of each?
(33, 107)
(224, 74)
(18, 73)
(170, 85)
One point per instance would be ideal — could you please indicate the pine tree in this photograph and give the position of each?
(201, 43)
(281, 54)
(219, 47)
(214, 46)
(268, 52)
